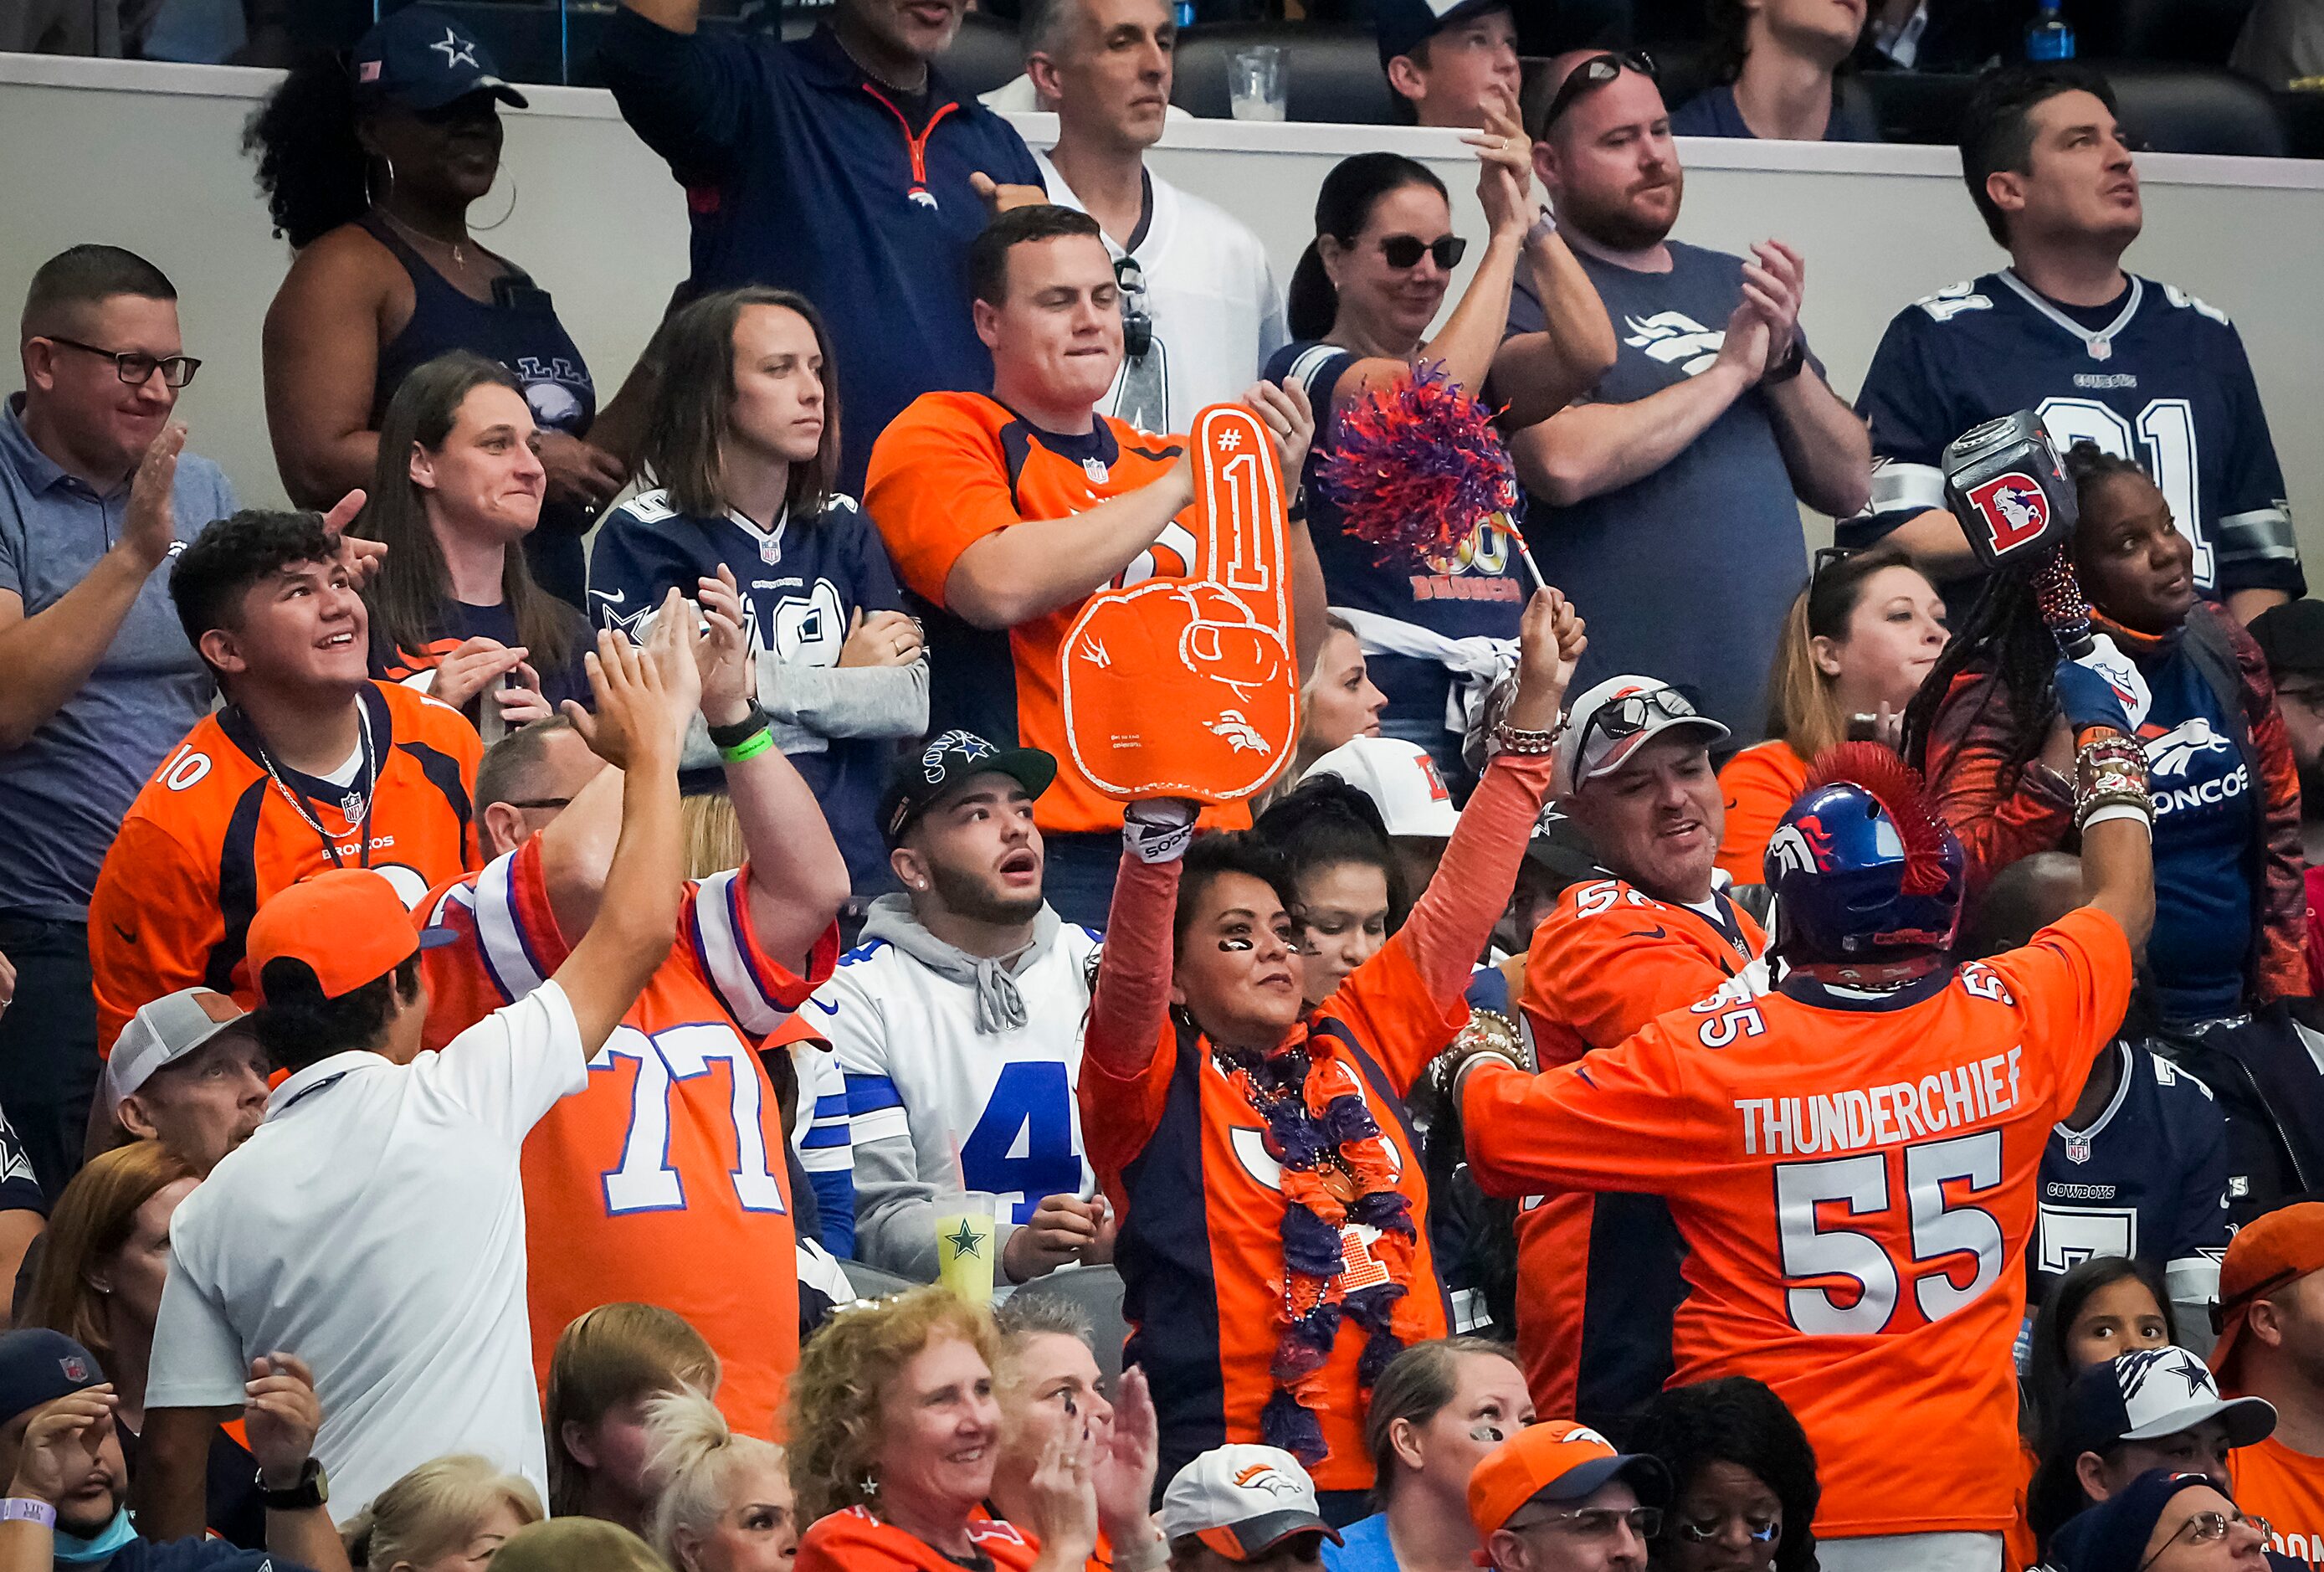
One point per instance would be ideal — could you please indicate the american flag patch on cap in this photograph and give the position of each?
(368, 71)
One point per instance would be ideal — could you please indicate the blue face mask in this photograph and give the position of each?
(72, 1550)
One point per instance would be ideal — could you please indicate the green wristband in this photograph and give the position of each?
(750, 747)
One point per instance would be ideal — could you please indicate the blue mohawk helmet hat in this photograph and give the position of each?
(1867, 880)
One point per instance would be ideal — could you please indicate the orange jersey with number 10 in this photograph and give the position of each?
(1855, 1178)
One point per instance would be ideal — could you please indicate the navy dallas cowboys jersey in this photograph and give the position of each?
(2147, 1178)
(2162, 380)
(801, 581)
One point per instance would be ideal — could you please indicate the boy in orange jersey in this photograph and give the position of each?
(1006, 513)
(2272, 1345)
(1598, 1276)
(1852, 1161)
(309, 764)
(665, 1181)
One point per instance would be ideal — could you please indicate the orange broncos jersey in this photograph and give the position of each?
(950, 470)
(1595, 1301)
(664, 1180)
(855, 1541)
(1200, 1246)
(211, 837)
(2286, 1488)
(1855, 1179)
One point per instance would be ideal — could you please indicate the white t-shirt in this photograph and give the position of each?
(1217, 312)
(375, 1226)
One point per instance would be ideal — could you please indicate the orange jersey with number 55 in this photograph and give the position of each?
(1855, 1179)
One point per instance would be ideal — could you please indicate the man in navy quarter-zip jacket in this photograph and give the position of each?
(842, 167)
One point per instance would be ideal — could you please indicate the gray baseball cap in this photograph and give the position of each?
(163, 1032)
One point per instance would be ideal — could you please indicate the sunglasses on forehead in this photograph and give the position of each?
(1591, 75)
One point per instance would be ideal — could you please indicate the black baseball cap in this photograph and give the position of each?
(39, 1366)
(2111, 1537)
(950, 760)
(2291, 636)
(1405, 26)
(422, 59)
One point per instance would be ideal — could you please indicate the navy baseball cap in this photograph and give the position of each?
(423, 59)
(2111, 1537)
(2291, 636)
(39, 1366)
(950, 760)
(1405, 26)
(2154, 1393)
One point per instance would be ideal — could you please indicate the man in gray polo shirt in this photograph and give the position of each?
(94, 495)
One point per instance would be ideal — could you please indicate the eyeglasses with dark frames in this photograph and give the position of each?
(538, 801)
(135, 368)
(1591, 75)
(1404, 251)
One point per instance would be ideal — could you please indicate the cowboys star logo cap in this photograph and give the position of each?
(951, 759)
(424, 59)
(1242, 1501)
(2153, 1393)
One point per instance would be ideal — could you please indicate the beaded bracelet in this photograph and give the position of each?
(2110, 781)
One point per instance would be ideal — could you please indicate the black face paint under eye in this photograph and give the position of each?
(1232, 944)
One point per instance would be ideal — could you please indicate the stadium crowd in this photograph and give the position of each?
(578, 1002)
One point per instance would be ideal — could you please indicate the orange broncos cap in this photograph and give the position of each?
(1560, 1460)
(345, 925)
(2266, 1254)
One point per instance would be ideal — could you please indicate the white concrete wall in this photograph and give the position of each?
(148, 156)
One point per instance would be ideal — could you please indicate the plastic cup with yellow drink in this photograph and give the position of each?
(968, 1246)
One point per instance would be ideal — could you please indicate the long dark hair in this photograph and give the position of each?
(694, 404)
(1343, 208)
(1325, 821)
(407, 600)
(2004, 636)
(1740, 1420)
(1801, 707)
(2047, 1372)
(311, 165)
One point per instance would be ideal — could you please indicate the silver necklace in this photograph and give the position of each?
(355, 805)
(459, 256)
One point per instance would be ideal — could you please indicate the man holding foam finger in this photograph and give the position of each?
(1005, 513)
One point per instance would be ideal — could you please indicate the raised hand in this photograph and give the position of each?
(281, 1415)
(672, 647)
(999, 195)
(579, 472)
(1123, 1478)
(62, 1445)
(148, 524)
(468, 669)
(1064, 1503)
(525, 703)
(721, 655)
(1774, 283)
(1505, 171)
(632, 729)
(1550, 640)
(1289, 418)
(1059, 1229)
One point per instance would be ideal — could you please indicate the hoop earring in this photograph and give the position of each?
(488, 229)
(371, 199)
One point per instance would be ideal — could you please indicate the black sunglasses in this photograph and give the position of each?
(133, 368)
(1591, 75)
(1137, 321)
(1404, 251)
(1827, 557)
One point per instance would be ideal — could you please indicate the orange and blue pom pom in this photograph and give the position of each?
(1415, 469)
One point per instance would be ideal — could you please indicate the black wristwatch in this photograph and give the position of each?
(740, 731)
(1793, 362)
(313, 1489)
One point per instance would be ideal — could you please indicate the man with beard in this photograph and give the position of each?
(958, 1022)
(1675, 479)
(2291, 637)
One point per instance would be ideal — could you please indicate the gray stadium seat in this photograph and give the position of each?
(2180, 110)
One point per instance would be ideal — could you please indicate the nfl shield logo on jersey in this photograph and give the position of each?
(2078, 1149)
